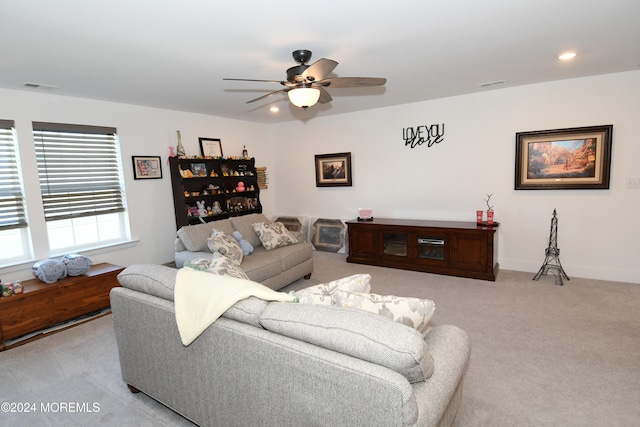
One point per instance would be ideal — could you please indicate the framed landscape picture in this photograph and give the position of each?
(559, 159)
(147, 167)
(333, 170)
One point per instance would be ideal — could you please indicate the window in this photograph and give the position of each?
(81, 183)
(14, 241)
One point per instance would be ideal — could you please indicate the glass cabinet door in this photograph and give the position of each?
(431, 248)
(394, 244)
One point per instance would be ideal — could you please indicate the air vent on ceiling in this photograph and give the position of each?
(497, 82)
(40, 86)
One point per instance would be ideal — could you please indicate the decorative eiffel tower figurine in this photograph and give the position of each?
(552, 259)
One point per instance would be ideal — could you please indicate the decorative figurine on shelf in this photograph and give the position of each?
(186, 173)
(245, 153)
(240, 188)
(180, 148)
(217, 210)
(202, 210)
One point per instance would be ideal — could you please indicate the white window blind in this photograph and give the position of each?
(79, 170)
(11, 197)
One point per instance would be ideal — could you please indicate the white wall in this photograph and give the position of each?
(142, 131)
(598, 231)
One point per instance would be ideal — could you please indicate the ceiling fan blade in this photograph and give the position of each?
(255, 80)
(268, 95)
(344, 82)
(325, 97)
(319, 69)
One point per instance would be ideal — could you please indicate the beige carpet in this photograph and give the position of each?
(542, 355)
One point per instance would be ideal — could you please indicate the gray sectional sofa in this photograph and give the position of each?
(285, 364)
(274, 268)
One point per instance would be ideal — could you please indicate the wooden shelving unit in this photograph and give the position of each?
(214, 184)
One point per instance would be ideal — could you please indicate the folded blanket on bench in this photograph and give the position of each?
(201, 298)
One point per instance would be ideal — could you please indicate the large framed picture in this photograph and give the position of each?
(147, 167)
(559, 159)
(210, 147)
(333, 170)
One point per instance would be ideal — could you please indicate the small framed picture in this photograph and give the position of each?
(210, 147)
(147, 167)
(199, 169)
(333, 170)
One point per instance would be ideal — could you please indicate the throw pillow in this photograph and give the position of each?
(273, 235)
(323, 293)
(222, 265)
(226, 245)
(412, 312)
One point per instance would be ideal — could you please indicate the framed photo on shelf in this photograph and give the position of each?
(210, 147)
(333, 170)
(561, 159)
(199, 169)
(146, 167)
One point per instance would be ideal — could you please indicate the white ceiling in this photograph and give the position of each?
(174, 54)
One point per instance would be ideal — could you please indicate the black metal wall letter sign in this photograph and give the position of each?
(423, 134)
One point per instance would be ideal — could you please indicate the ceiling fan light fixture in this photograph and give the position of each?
(567, 56)
(304, 97)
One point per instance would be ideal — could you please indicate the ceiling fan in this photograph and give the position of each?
(306, 84)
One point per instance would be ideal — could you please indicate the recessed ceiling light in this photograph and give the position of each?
(274, 109)
(567, 55)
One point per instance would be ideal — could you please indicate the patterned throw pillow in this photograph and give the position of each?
(413, 312)
(219, 264)
(226, 245)
(323, 293)
(273, 235)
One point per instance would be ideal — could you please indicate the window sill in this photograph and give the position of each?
(10, 268)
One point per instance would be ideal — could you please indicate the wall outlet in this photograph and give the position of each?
(632, 183)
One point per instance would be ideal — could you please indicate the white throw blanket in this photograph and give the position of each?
(201, 297)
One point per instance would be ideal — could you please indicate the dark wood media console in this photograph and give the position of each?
(463, 249)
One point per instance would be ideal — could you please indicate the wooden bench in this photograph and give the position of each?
(43, 305)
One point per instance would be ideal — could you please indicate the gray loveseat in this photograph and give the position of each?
(285, 364)
(274, 268)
